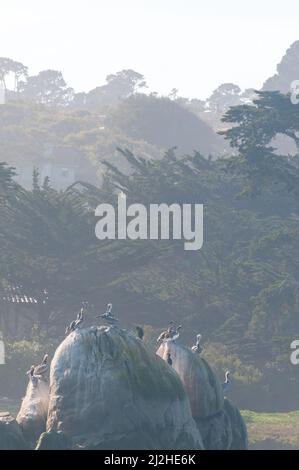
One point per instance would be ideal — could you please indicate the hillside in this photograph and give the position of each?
(164, 123)
(65, 145)
(286, 72)
(240, 291)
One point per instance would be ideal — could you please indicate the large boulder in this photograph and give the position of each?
(218, 421)
(216, 431)
(224, 431)
(54, 440)
(11, 437)
(201, 384)
(32, 416)
(238, 426)
(108, 391)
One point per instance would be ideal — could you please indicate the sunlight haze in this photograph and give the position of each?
(190, 45)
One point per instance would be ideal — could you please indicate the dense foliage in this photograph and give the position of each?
(240, 291)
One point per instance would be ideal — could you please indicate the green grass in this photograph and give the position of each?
(272, 430)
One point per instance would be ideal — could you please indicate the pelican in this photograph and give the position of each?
(197, 348)
(171, 334)
(75, 323)
(176, 333)
(79, 318)
(43, 367)
(140, 332)
(71, 327)
(33, 378)
(108, 316)
(109, 309)
(30, 372)
(163, 336)
(226, 382)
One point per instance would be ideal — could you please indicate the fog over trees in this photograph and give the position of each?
(63, 152)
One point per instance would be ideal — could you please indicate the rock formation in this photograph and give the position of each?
(216, 431)
(32, 416)
(201, 384)
(238, 426)
(54, 440)
(108, 391)
(219, 422)
(11, 437)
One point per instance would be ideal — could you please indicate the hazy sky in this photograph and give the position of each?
(193, 45)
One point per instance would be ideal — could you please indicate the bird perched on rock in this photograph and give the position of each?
(140, 332)
(163, 336)
(75, 323)
(79, 318)
(169, 360)
(70, 328)
(30, 372)
(33, 377)
(197, 348)
(42, 368)
(171, 334)
(176, 333)
(108, 316)
(226, 382)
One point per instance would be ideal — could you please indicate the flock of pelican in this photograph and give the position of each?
(172, 333)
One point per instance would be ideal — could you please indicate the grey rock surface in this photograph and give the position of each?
(218, 420)
(32, 416)
(11, 437)
(216, 431)
(224, 431)
(53, 440)
(109, 391)
(238, 426)
(201, 384)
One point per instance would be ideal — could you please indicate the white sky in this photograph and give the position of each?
(193, 45)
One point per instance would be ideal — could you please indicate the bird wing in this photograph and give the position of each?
(101, 315)
(162, 336)
(41, 369)
(174, 337)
